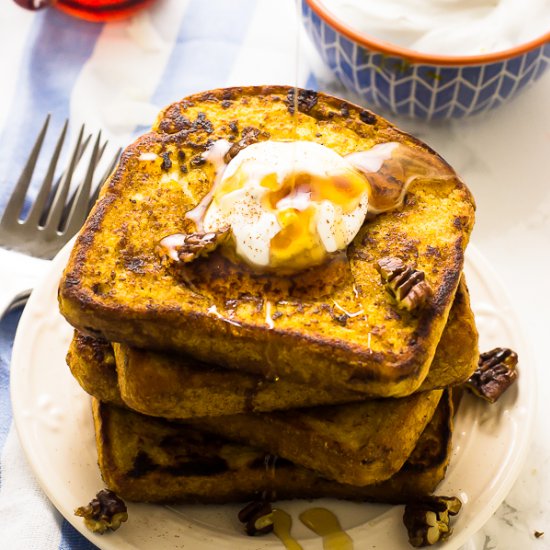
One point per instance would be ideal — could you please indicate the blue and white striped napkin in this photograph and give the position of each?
(115, 77)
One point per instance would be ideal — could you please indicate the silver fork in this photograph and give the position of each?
(27, 244)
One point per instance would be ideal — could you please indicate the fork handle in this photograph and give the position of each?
(18, 273)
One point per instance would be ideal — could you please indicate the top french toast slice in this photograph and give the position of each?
(333, 325)
(177, 386)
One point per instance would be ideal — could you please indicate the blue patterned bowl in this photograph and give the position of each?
(420, 85)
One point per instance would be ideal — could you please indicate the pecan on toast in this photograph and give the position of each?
(334, 325)
(176, 386)
(153, 460)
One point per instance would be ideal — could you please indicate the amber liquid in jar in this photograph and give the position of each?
(102, 10)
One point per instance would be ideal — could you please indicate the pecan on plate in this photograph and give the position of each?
(427, 520)
(496, 372)
(406, 284)
(105, 512)
(257, 517)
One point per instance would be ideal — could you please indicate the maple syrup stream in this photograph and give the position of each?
(321, 521)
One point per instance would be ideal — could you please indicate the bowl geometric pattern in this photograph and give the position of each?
(420, 90)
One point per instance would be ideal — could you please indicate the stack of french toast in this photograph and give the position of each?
(216, 381)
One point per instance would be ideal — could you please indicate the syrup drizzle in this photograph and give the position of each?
(297, 68)
(270, 464)
(320, 520)
(390, 168)
(349, 314)
(282, 523)
(215, 156)
(268, 318)
(214, 311)
(325, 524)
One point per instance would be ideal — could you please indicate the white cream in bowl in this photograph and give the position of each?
(446, 27)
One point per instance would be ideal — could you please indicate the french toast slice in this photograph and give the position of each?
(92, 363)
(335, 325)
(153, 460)
(357, 443)
(176, 386)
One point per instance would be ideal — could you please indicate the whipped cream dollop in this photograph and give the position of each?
(288, 204)
(446, 27)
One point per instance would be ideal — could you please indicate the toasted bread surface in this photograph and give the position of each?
(176, 386)
(92, 363)
(118, 287)
(153, 460)
(457, 353)
(357, 443)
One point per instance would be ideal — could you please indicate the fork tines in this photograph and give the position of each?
(53, 218)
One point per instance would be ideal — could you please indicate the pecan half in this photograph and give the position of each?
(406, 284)
(496, 372)
(105, 512)
(257, 517)
(427, 520)
(188, 247)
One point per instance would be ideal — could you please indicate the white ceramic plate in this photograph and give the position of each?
(54, 422)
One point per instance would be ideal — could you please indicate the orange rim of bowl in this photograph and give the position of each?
(419, 57)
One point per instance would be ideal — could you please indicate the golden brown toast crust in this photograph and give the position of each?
(173, 386)
(117, 287)
(152, 460)
(357, 443)
(457, 354)
(92, 363)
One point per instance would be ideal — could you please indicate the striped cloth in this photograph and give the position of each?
(115, 77)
